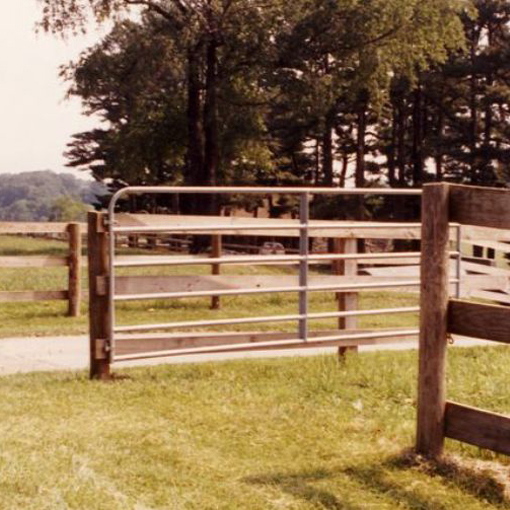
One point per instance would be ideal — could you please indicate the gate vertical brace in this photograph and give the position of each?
(433, 320)
(304, 216)
(99, 320)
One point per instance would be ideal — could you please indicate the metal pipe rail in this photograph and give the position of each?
(347, 287)
(303, 226)
(270, 259)
(258, 320)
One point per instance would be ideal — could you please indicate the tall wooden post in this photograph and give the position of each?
(216, 249)
(98, 302)
(75, 264)
(433, 320)
(347, 301)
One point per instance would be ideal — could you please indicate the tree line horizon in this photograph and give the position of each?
(312, 92)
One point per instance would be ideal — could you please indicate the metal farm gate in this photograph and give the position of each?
(113, 343)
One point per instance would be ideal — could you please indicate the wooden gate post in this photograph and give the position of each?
(98, 302)
(75, 264)
(347, 301)
(433, 320)
(216, 249)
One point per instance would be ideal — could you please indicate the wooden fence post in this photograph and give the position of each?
(98, 302)
(433, 320)
(347, 301)
(75, 265)
(216, 249)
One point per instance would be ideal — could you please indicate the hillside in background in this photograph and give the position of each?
(46, 196)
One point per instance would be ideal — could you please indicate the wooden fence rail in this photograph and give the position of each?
(73, 261)
(440, 317)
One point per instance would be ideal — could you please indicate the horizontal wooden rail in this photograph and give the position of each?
(33, 295)
(479, 428)
(125, 285)
(484, 207)
(32, 261)
(488, 322)
(18, 227)
(498, 297)
(199, 343)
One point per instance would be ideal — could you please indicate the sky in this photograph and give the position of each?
(36, 121)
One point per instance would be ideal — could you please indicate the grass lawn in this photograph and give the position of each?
(293, 433)
(45, 318)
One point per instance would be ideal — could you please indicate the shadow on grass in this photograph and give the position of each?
(487, 481)
(487, 484)
(299, 486)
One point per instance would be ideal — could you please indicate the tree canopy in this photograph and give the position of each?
(206, 92)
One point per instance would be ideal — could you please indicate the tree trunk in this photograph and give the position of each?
(391, 150)
(417, 152)
(211, 159)
(327, 148)
(195, 149)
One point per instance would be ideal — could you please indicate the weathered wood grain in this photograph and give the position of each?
(129, 344)
(75, 266)
(484, 207)
(33, 295)
(487, 322)
(32, 261)
(98, 302)
(433, 320)
(479, 428)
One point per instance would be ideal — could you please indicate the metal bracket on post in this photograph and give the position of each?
(304, 213)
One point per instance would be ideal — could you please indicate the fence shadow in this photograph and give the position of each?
(300, 486)
(481, 482)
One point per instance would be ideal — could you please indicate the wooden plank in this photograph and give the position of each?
(346, 229)
(488, 322)
(183, 341)
(483, 207)
(30, 261)
(33, 295)
(491, 296)
(433, 320)
(189, 283)
(74, 277)
(98, 304)
(347, 301)
(473, 234)
(472, 267)
(216, 268)
(18, 227)
(477, 427)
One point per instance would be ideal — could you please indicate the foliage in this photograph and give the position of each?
(246, 91)
(45, 196)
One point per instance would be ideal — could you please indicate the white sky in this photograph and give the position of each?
(36, 121)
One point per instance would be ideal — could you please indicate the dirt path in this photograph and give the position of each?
(19, 355)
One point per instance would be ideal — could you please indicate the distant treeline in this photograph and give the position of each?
(46, 196)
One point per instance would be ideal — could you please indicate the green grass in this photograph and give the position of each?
(299, 433)
(49, 317)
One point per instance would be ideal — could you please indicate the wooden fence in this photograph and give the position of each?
(73, 294)
(441, 316)
(348, 274)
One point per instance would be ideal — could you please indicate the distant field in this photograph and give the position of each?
(48, 318)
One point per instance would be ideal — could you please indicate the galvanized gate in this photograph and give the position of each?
(105, 350)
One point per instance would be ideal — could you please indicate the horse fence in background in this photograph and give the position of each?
(73, 294)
